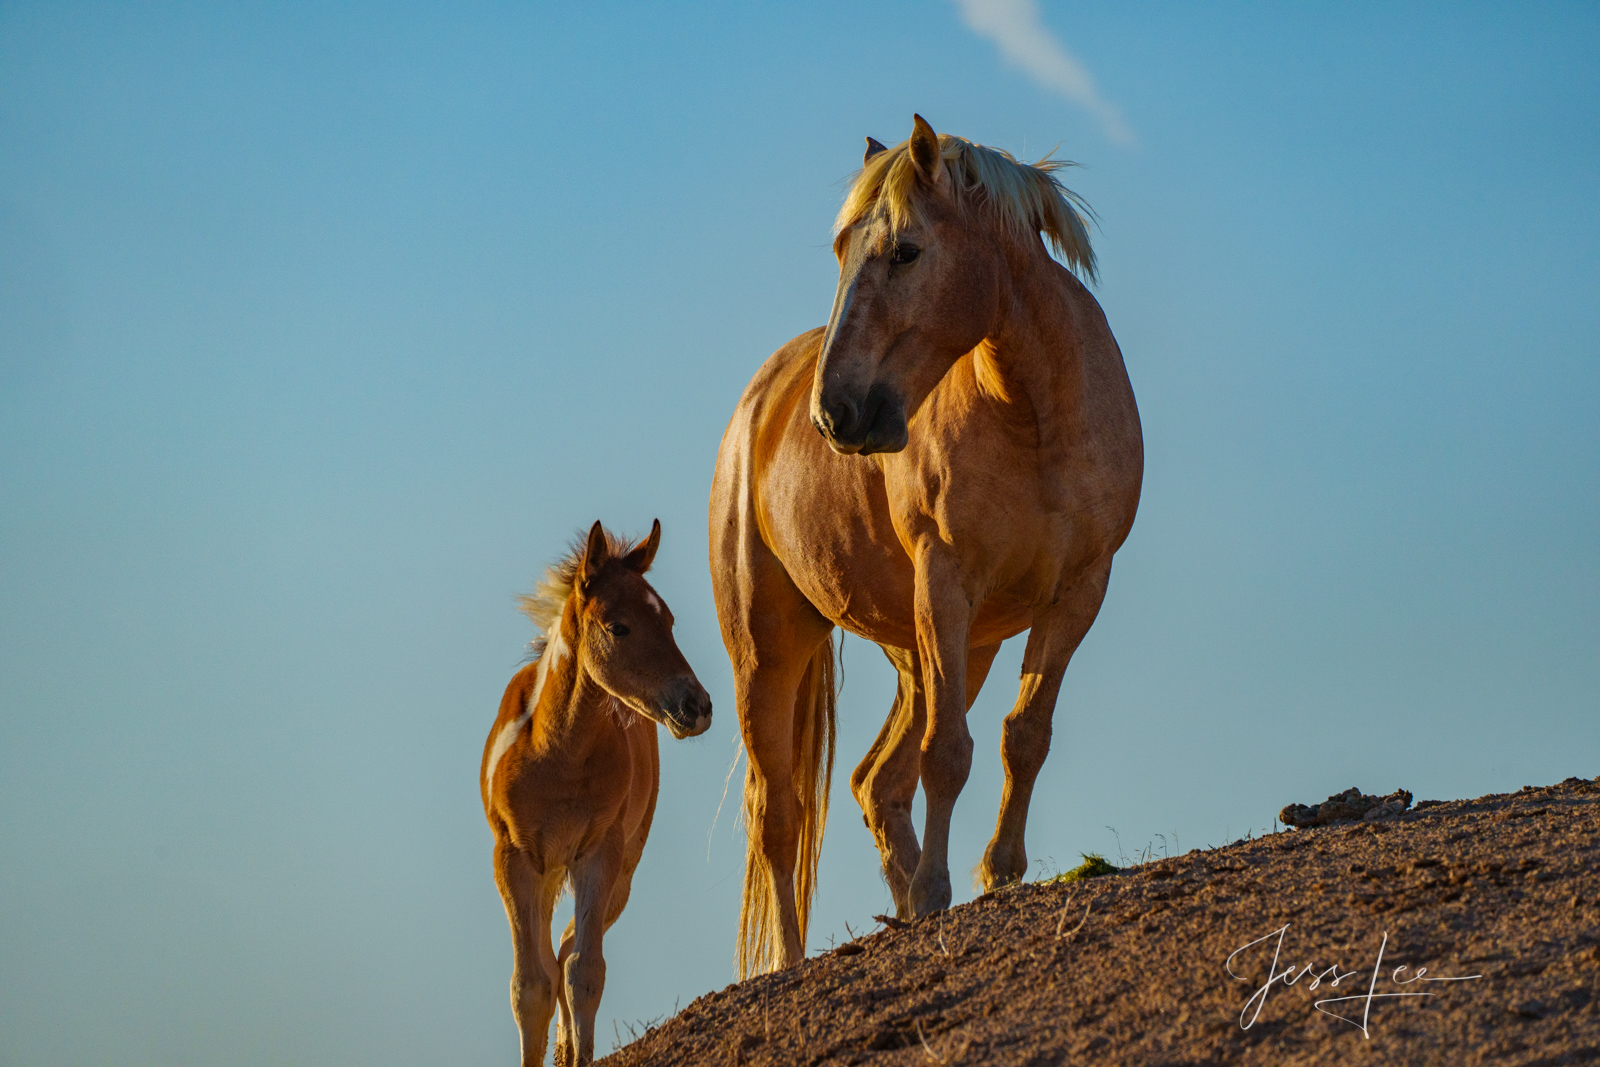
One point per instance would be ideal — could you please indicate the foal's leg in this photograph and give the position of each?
(593, 880)
(565, 1042)
(529, 898)
(886, 781)
(1056, 634)
(944, 620)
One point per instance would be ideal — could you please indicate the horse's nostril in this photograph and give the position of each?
(842, 415)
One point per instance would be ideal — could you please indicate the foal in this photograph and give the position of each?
(570, 774)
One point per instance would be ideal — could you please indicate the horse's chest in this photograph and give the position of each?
(997, 507)
(855, 559)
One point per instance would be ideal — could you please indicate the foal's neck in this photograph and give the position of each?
(573, 709)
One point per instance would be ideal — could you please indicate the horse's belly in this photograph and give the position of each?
(878, 602)
(999, 619)
(863, 585)
(827, 520)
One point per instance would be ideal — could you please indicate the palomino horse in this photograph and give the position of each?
(570, 773)
(953, 460)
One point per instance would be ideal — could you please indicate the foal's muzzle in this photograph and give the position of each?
(686, 707)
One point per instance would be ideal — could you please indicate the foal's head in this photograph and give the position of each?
(923, 243)
(624, 635)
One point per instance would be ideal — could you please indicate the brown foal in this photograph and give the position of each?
(570, 774)
(953, 460)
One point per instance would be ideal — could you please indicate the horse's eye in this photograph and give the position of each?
(616, 629)
(903, 254)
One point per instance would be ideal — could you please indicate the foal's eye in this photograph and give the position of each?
(903, 254)
(616, 629)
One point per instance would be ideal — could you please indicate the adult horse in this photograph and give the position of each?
(953, 460)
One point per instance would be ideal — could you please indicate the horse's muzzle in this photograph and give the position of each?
(878, 424)
(686, 707)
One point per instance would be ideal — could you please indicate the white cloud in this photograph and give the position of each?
(1014, 26)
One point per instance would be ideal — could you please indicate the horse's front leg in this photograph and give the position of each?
(944, 620)
(593, 879)
(1025, 741)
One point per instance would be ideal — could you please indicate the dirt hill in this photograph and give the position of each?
(1133, 968)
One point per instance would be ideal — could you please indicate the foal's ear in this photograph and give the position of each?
(595, 553)
(874, 146)
(925, 152)
(641, 557)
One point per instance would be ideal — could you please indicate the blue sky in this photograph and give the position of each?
(323, 327)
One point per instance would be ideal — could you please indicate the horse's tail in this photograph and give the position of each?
(815, 726)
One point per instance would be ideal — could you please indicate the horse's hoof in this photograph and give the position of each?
(1002, 866)
(930, 895)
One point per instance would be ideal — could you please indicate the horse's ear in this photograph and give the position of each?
(595, 553)
(874, 146)
(925, 152)
(645, 554)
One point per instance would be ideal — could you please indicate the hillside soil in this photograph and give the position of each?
(1221, 957)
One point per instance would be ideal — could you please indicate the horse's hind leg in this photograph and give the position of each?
(528, 897)
(772, 917)
(776, 641)
(886, 780)
(1025, 741)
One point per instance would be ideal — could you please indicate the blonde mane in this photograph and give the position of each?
(549, 598)
(1024, 198)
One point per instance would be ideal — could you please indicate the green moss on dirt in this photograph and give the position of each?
(1093, 866)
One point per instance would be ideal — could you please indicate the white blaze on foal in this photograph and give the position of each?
(553, 653)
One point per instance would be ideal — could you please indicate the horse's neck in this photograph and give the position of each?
(1036, 357)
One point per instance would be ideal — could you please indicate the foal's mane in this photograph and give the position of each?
(549, 598)
(1025, 198)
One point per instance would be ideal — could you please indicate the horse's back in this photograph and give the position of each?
(1111, 415)
(779, 386)
(782, 497)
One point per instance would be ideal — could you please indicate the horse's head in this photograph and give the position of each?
(625, 636)
(915, 293)
(923, 242)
